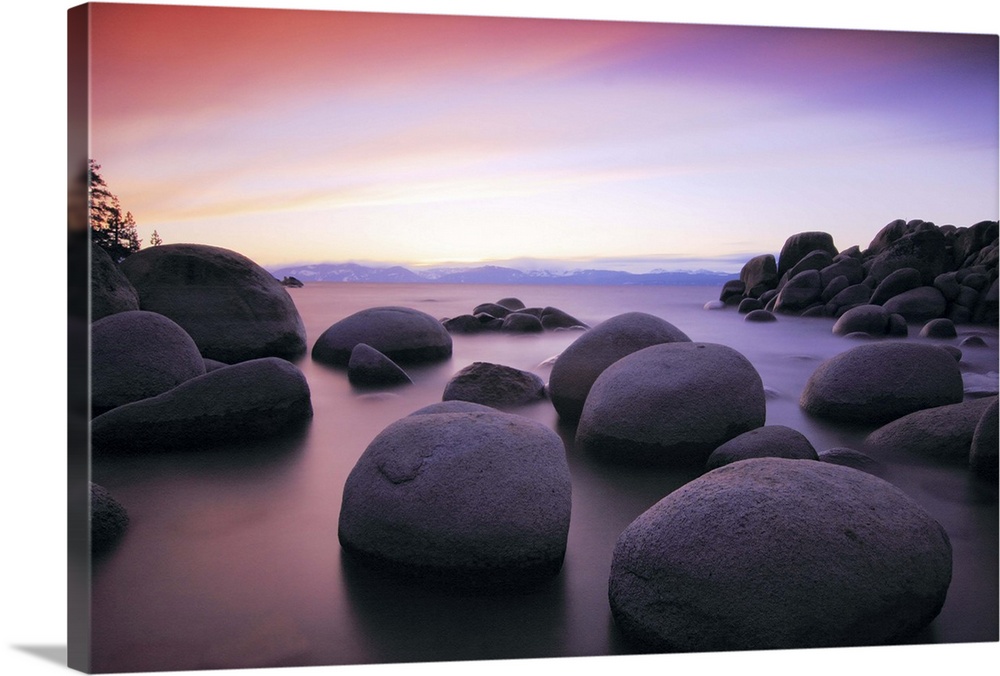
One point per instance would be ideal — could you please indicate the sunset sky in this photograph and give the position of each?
(306, 136)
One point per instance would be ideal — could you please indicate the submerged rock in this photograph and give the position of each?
(579, 365)
(769, 441)
(879, 382)
(402, 334)
(772, 553)
(494, 385)
(232, 308)
(108, 519)
(369, 367)
(249, 400)
(478, 500)
(136, 355)
(671, 404)
(941, 433)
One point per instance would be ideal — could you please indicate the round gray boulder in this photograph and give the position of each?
(368, 367)
(870, 319)
(404, 335)
(671, 404)
(250, 400)
(985, 444)
(801, 244)
(848, 457)
(110, 290)
(918, 305)
(576, 369)
(879, 382)
(521, 322)
(494, 385)
(454, 406)
(108, 519)
(939, 328)
(773, 553)
(477, 500)
(136, 355)
(760, 316)
(770, 441)
(941, 433)
(233, 308)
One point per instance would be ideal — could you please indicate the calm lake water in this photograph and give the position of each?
(232, 560)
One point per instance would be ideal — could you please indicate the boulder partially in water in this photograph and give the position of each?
(494, 385)
(769, 441)
(404, 335)
(579, 365)
(879, 382)
(368, 367)
(773, 553)
(136, 355)
(985, 444)
(478, 500)
(671, 404)
(232, 308)
(849, 457)
(250, 400)
(108, 519)
(941, 433)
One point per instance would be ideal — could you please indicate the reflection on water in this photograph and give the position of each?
(232, 558)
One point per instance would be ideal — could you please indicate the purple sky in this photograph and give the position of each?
(310, 136)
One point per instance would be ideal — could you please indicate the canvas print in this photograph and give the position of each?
(418, 338)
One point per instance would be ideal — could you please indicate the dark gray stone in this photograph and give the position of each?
(924, 250)
(576, 369)
(110, 290)
(939, 328)
(773, 553)
(369, 367)
(553, 318)
(870, 319)
(749, 305)
(800, 292)
(759, 274)
(455, 406)
(879, 382)
(511, 303)
(760, 316)
(850, 268)
(492, 309)
(848, 457)
(798, 246)
(671, 404)
(108, 519)
(896, 283)
(402, 334)
(918, 305)
(136, 355)
(494, 385)
(732, 292)
(770, 441)
(522, 322)
(985, 443)
(249, 400)
(477, 500)
(942, 433)
(233, 308)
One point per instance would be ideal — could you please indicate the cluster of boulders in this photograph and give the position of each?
(189, 348)
(916, 270)
(510, 315)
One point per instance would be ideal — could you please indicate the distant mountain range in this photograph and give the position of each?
(494, 274)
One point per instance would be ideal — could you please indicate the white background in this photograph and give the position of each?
(33, 105)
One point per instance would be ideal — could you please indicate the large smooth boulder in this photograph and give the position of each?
(941, 433)
(870, 319)
(799, 292)
(769, 441)
(799, 245)
(233, 308)
(985, 445)
(898, 281)
(404, 335)
(671, 404)
(918, 305)
(553, 318)
(759, 274)
(773, 553)
(924, 250)
(879, 382)
(494, 385)
(576, 369)
(110, 290)
(249, 400)
(108, 519)
(136, 355)
(477, 500)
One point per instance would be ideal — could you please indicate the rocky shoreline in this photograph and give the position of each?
(776, 545)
